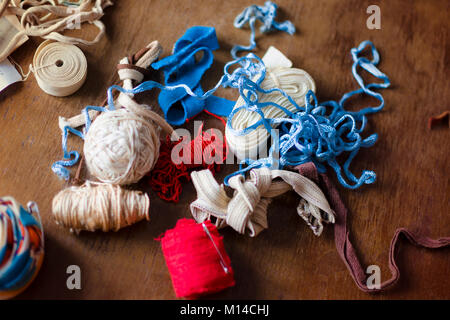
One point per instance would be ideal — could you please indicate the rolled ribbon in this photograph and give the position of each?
(280, 74)
(182, 67)
(60, 69)
(21, 246)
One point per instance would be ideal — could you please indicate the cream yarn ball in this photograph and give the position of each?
(121, 147)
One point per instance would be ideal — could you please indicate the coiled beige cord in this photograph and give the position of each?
(60, 69)
(99, 206)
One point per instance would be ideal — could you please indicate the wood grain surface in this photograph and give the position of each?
(286, 261)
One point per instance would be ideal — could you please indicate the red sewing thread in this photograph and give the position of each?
(165, 178)
(197, 261)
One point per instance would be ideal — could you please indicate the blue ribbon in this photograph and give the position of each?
(182, 68)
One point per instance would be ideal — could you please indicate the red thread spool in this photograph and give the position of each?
(196, 259)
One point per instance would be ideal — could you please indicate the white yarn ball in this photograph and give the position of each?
(295, 82)
(121, 147)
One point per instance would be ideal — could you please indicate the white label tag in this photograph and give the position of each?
(8, 74)
(274, 58)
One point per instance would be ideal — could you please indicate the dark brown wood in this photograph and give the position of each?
(286, 261)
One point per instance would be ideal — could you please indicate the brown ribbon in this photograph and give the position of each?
(342, 240)
(442, 119)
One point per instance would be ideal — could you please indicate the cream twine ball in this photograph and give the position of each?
(121, 147)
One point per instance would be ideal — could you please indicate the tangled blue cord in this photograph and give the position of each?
(70, 158)
(321, 133)
(266, 14)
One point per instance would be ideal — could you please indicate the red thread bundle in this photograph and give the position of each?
(165, 178)
(197, 266)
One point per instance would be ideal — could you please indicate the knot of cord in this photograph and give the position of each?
(246, 211)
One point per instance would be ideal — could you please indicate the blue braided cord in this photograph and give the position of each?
(369, 66)
(321, 133)
(266, 14)
(70, 158)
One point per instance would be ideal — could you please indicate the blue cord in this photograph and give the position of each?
(321, 133)
(266, 14)
(70, 158)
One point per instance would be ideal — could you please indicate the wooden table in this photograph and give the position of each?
(286, 261)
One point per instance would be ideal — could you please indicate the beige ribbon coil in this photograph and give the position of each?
(246, 211)
(280, 74)
(60, 69)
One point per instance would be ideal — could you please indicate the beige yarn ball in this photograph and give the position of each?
(121, 147)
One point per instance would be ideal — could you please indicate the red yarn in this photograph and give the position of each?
(165, 178)
(194, 264)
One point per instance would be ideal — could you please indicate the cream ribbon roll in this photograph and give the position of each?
(280, 74)
(60, 69)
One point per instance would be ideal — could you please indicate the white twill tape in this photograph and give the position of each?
(280, 74)
(60, 69)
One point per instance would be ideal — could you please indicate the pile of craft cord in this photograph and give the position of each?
(48, 20)
(247, 68)
(196, 258)
(322, 132)
(21, 246)
(302, 138)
